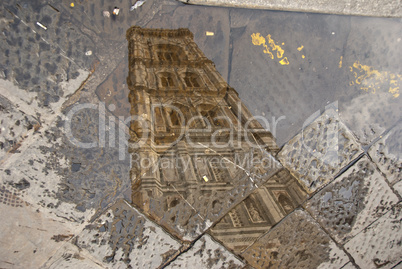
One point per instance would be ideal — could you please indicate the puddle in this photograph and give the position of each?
(185, 122)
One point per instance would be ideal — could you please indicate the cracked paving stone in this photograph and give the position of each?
(262, 209)
(379, 245)
(387, 154)
(15, 126)
(352, 202)
(296, 242)
(123, 237)
(55, 175)
(206, 253)
(320, 150)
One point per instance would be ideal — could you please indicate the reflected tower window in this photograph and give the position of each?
(166, 79)
(191, 80)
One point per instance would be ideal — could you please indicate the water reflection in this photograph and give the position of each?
(196, 150)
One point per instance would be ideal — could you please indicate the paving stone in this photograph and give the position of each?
(15, 126)
(387, 154)
(379, 245)
(206, 253)
(28, 235)
(261, 210)
(123, 237)
(39, 60)
(70, 256)
(320, 151)
(296, 242)
(353, 201)
(66, 180)
(349, 265)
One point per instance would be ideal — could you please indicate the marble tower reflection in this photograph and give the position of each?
(199, 158)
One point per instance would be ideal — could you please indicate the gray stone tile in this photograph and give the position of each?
(28, 236)
(320, 150)
(15, 127)
(64, 179)
(379, 245)
(296, 242)
(206, 253)
(387, 154)
(353, 201)
(349, 265)
(39, 61)
(70, 256)
(123, 237)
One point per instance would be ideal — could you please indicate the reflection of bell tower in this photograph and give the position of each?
(189, 120)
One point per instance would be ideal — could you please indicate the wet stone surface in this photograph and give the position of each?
(187, 209)
(320, 151)
(38, 60)
(387, 154)
(296, 242)
(353, 201)
(206, 253)
(64, 179)
(124, 237)
(261, 210)
(379, 245)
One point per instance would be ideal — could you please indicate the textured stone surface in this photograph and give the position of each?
(70, 256)
(123, 237)
(379, 245)
(28, 236)
(345, 7)
(15, 126)
(353, 201)
(64, 179)
(206, 253)
(387, 154)
(296, 242)
(38, 60)
(320, 151)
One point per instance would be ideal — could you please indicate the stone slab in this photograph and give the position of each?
(123, 237)
(206, 253)
(296, 242)
(379, 245)
(352, 201)
(28, 237)
(320, 150)
(387, 154)
(344, 7)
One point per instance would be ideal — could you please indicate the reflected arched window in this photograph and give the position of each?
(167, 56)
(191, 80)
(286, 204)
(166, 79)
(169, 53)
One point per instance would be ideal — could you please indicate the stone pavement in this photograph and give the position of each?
(64, 206)
(343, 7)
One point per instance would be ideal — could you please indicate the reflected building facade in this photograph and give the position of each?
(194, 138)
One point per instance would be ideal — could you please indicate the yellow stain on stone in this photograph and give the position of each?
(340, 62)
(284, 61)
(300, 48)
(372, 80)
(259, 40)
(303, 56)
